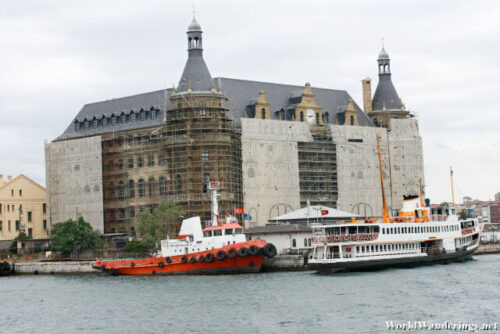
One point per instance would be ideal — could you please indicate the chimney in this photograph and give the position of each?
(367, 95)
(9, 177)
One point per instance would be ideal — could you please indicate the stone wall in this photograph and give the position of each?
(74, 181)
(270, 167)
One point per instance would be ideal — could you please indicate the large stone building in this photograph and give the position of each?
(273, 147)
(23, 208)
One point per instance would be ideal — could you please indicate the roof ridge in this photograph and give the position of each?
(281, 84)
(128, 96)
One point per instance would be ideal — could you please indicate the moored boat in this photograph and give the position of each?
(220, 248)
(414, 237)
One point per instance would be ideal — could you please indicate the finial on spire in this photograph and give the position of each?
(382, 42)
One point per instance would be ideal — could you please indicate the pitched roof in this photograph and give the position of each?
(385, 96)
(314, 212)
(239, 93)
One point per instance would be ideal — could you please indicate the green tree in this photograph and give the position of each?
(463, 214)
(74, 237)
(135, 246)
(13, 245)
(156, 226)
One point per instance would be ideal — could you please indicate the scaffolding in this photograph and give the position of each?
(144, 168)
(318, 169)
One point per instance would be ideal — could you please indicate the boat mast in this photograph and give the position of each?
(452, 192)
(385, 211)
(213, 185)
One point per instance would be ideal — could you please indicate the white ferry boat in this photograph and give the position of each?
(415, 237)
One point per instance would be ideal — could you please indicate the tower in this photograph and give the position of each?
(386, 103)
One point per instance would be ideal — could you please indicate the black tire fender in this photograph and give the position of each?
(270, 250)
(192, 260)
(231, 253)
(161, 264)
(184, 259)
(168, 260)
(221, 255)
(209, 257)
(243, 252)
(253, 250)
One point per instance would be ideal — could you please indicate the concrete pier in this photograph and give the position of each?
(63, 267)
(284, 263)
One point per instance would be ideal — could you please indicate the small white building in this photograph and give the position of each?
(291, 233)
(490, 233)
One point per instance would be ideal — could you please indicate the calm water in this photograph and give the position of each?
(295, 302)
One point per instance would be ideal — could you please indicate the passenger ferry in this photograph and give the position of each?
(412, 238)
(220, 248)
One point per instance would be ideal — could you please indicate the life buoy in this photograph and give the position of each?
(315, 239)
(336, 238)
(232, 252)
(221, 255)
(346, 238)
(209, 257)
(184, 259)
(253, 250)
(161, 264)
(243, 252)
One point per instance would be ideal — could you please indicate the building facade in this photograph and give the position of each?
(272, 147)
(23, 208)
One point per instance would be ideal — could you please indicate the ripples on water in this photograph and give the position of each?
(289, 302)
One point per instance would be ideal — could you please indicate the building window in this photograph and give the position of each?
(122, 213)
(142, 188)
(153, 114)
(178, 184)
(96, 123)
(121, 190)
(20, 193)
(131, 212)
(305, 242)
(206, 180)
(161, 160)
(162, 186)
(352, 120)
(0, 207)
(131, 189)
(30, 232)
(111, 165)
(151, 186)
(104, 122)
(17, 225)
(263, 113)
(302, 116)
(30, 216)
(205, 155)
(140, 162)
(132, 117)
(294, 243)
(120, 141)
(151, 161)
(124, 119)
(143, 115)
(1, 227)
(111, 191)
(203, 110)
(113, 120)
(179, 106)
(130, 163)
(177, 157)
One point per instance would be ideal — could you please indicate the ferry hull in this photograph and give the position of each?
(325, 268)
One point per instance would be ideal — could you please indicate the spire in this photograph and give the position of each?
(195, 72)
(385, 96)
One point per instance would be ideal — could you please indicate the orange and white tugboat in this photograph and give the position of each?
(220, 248)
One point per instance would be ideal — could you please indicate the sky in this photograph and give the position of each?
(55, 56)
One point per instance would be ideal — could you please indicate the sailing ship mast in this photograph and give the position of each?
(452, 193)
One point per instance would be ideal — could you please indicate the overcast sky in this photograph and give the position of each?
(55, 56)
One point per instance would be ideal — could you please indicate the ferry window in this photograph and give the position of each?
(385, 248)
(371, 248)
(376, 229)
(357, 249)
(362, 249)
(217, 232)
(383, 231)
(238, 231)
(229, 231)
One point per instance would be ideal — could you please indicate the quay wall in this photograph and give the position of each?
(66, 267)
(285, 263)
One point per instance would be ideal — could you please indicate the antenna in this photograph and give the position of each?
(452, 192)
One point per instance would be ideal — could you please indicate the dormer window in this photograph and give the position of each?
(96, 123)
(124, 119)
(143, 115)
(86, 124)
(113, 120)
(203, 110)
(104, 122)
(153, 114)
(132, 117)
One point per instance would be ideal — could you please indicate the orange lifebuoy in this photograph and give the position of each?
(336, 238)
(346, 238)
(355, 237)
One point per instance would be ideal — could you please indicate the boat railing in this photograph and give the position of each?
(332, 238)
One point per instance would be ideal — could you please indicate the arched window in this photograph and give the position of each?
(121, 190)
(111, 191)
(151, 187)
(162, 186)
(178, 184)
(142, 188)
(294, 243)
(131, 189)
(302, 116)
(263, 113)
(190, 42)
(352, 120)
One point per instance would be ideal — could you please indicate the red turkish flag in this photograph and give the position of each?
(324, 212)
(239, 211)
